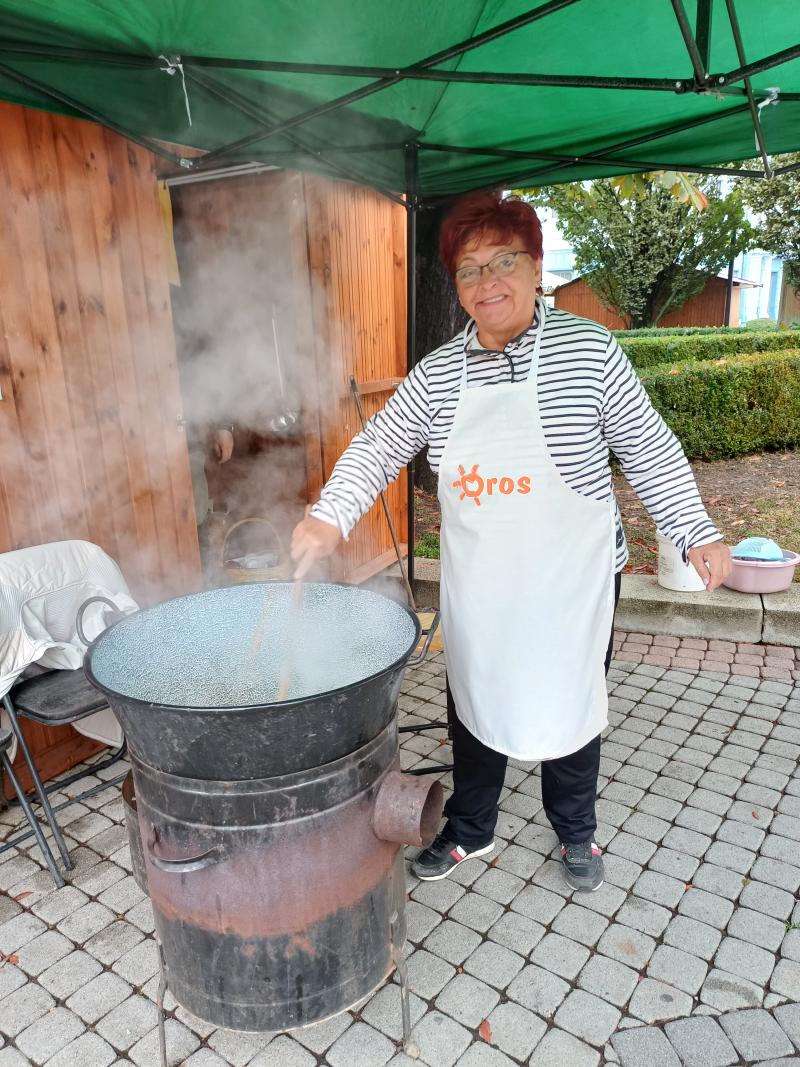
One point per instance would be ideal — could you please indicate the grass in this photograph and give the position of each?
(756, 495)
(427, 546)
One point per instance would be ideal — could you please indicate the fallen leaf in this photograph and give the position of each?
(779, 485)
(493, 863)
(712, 500)
(10, 958)
(459, 970)
(485, 1031)
(755, 814)
(689, 885)
(21, 896)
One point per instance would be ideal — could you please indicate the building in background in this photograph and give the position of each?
(762, 300)
(706, 308)
(759, 291)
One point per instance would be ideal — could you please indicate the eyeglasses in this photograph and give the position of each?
(498, 267)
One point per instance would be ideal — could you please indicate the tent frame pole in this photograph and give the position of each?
(412, 205)
(737, 37)
(88, 112)
(252, 110)
(527, 17)
(758, 66)
(702, 32)
(632, 142)
(628, 164)
(131, 60)
(700, 73)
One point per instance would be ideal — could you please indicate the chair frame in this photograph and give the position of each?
(40, 792)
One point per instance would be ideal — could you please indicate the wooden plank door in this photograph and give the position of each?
(356, 255)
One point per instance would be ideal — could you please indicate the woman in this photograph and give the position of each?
(519, 413)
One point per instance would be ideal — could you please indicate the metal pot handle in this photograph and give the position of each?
(429, 635)
(115, 617)
(194, 863)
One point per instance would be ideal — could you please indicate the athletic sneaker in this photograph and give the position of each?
(583, 866)
(438, 859)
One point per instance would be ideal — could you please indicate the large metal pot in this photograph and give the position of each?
(193, 701)
(271, 832)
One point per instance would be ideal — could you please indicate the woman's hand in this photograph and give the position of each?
(223, 445)
(312, 540)
(712, 562)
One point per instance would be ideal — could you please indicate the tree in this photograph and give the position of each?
(776, 202)
(646, 243)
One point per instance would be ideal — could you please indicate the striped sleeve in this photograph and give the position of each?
(652, 458)
(375, 457)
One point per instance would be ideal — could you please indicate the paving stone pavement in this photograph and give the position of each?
(688, 954)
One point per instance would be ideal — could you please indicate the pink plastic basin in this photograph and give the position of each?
(762, 576)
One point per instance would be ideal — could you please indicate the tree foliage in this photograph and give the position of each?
(776, 203)
(647, 243)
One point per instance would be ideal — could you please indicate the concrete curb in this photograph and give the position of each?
(645, 607)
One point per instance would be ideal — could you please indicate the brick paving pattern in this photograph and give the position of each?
(688, 954)
(777, 662)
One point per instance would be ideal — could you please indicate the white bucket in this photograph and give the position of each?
(673, 573)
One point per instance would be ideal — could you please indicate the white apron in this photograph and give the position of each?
(527, 586)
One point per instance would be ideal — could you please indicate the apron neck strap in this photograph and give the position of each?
(541, 315)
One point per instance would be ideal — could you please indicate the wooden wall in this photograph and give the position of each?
(89, 430)
(356, 251)
(89, 437)
(706, 308)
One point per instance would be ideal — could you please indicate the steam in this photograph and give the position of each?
(241, 359)
(188, 652)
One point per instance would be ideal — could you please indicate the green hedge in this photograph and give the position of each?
(747, 403)
(698, 331)
(648, 351)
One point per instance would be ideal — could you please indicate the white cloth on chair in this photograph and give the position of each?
(41, 589)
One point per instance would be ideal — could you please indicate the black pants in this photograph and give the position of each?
(569, 784)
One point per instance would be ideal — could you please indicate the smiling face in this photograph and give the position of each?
(502, 307)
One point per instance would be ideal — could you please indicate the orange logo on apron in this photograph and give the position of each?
(474, 485)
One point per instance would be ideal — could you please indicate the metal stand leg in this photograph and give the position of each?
(162, 988)
(33, 822)
(439, 768)
(409, 1045)
(37, 781)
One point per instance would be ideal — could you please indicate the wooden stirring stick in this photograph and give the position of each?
(257, 639)
(286, 666)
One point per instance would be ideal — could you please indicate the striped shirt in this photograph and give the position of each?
(590, 402)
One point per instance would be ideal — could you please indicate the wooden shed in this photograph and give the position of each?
(706, 308)
(99, 343)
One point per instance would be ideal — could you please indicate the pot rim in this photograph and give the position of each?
(87, 661)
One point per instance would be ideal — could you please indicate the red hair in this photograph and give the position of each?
(487, 214)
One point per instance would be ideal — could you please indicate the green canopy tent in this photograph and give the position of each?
(418, 98)
(427, 99)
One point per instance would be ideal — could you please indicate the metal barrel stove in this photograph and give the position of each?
(271, 832)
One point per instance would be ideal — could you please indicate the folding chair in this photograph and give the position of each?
(53, 699)
(6, 739)
(59, 694)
